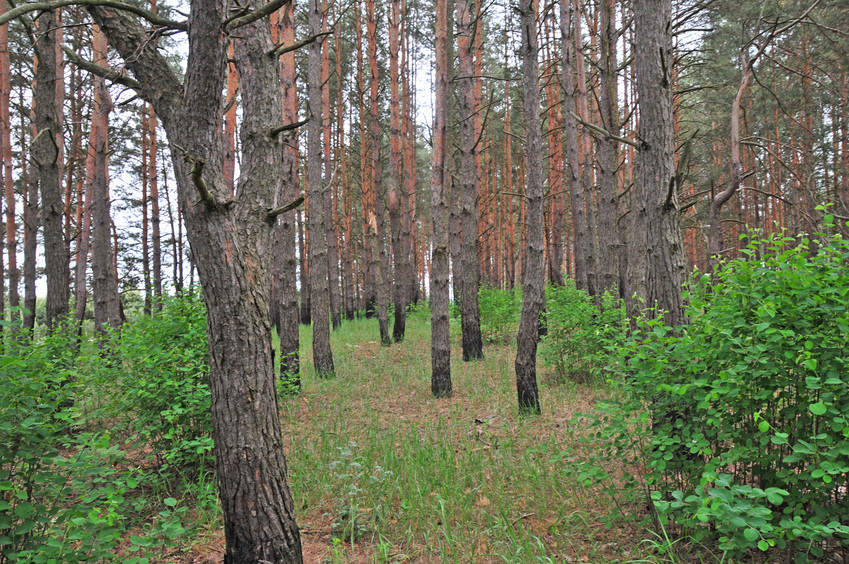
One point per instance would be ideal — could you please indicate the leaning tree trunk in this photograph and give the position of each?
(533, 294)
(319, 283)
(231, 246)
(470, 318)
(656, 265)
(440, 381)
(46, 155)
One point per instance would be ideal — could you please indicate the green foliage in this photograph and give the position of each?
(60, 497)
(164, 385)
(582, 336)
(742, 419)
(500, 310)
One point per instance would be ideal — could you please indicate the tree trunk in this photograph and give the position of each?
(319, 283)
(231, 242)
(381, 262)
(7, 179)
(395, 171)
(533, 295)
(107, 308)
(330, 202)
(46, 154)
(285, 260)
(608, 155)
(656, 263)
(440, 382)
(470, 260)
(303, 267)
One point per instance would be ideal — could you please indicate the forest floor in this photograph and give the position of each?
(383, 472)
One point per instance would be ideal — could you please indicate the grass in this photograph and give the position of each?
(382, 472)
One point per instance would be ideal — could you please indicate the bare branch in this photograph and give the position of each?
(282, 49)
(288, 127)
(100, 71)
(197, 177)
(240, 19)
(604, 132)
(45, 6)
(272, 214)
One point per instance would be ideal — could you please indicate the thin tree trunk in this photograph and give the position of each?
(330, 202)
(285, 260)
(319, 283)
(608, 155)
(440, 382)
(533, 294)
(469, 308)
(395, 171)
(379, 228)
(31, 216)
(6, 157)
(303, 267)
(145, 236)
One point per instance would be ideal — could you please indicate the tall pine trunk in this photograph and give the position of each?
(470, 261)
(533, 294)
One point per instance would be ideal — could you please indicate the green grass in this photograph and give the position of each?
(382, 472)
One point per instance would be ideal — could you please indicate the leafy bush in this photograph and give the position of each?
(581, 335)
(742, 419)
(500, 310)
(165, 383)
(60, 497)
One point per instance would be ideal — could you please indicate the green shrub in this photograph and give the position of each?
(500, 310)
(164, 387)
(60, 497)
(581, 335)
(742, 419)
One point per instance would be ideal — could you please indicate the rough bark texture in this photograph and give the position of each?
(608, 157)
(440, 352)
(394, 177)
(319, 284)
(656, 264)
(46, 155)
(380, 265)
(30, 239)
(330, 201)
(584, 248)
(470, 267)
(533, 294)
(107, 305)
(155, 233)
(285, 259)
(303, 267)
(231, 243)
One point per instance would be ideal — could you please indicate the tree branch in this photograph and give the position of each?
(44, 6)
(275, 131)
(240, 19)
(605, 132)
(197, 177)
(100, 71)
(272, 214)
(282, 49)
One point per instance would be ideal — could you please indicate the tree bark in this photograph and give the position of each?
(656, 263)
(381, 260)
(440, 381)
(107, 305)
(319, 283)
(470, 271)
(394, 177)
(231, 242)
(584, 248)
(533, 294)
(285, 259)
(7, 179)
(608, 154)
(46, 154)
